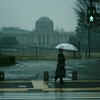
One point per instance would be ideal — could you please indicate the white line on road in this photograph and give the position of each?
(50, 95)
(44, 97)
(22, 86)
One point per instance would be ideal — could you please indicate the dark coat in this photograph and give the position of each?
(60, 71)
(61, 61)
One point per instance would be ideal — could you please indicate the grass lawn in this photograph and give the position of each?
(47, 56)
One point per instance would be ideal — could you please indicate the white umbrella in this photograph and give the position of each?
(66, 46)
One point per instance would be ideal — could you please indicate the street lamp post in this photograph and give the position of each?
(36, 53)
(89, 41)
(91, 19)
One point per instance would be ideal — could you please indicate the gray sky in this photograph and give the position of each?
(24, 13)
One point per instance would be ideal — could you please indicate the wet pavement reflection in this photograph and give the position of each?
(86, 69)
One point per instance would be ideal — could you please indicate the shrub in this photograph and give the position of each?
(7, 60)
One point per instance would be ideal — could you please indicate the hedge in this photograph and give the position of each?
(7, 60)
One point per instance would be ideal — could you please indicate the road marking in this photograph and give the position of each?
(22, 86)
(51, 95)
(44, 97)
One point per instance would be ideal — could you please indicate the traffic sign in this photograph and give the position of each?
(91, 19)
(91, 15)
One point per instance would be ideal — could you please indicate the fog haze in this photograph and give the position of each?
(24, 13)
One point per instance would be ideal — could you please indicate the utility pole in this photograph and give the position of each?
(91, 18)
(89, 41)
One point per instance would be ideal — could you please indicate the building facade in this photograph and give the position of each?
(42, 36)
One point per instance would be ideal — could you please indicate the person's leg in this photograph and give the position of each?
(61, 80)
(56, 75)
(56, 78)
(61, 72)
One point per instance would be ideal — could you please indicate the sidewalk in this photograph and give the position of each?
(50, 86)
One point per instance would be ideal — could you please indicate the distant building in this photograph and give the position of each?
(42, 36)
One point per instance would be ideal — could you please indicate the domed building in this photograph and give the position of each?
(42, 36)
(44, 24)
(44, 33)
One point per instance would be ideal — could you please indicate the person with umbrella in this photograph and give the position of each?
(60, 71)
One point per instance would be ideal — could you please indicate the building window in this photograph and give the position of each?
(39, 39)
(43, 39)
(47, 39)
(43, 26)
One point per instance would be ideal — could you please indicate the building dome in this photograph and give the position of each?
(44, 19)
(44, 24)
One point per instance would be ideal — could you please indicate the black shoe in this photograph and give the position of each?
(55, 78)
(62, 82)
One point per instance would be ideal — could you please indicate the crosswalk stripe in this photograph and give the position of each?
(51, 95)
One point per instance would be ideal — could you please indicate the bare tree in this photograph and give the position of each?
(80, 10)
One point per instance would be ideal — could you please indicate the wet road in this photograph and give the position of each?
(86, 69)
(51, 96)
